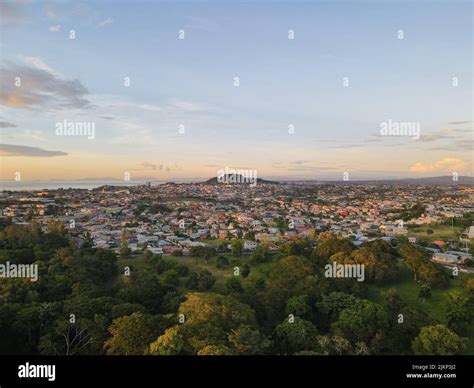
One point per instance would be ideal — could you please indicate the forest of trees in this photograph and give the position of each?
(84, 303)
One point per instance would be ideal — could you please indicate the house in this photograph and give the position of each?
(463, 256)
(445, 258)
(439, 243)
(155, 250)
(250, 245)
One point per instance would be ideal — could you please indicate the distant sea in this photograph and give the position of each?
(53, 185)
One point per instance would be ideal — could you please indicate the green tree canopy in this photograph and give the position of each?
(438, 340)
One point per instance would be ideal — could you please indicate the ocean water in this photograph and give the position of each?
(52, 185)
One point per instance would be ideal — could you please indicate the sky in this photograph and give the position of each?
(293, 90)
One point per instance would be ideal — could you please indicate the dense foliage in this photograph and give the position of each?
(84, 303)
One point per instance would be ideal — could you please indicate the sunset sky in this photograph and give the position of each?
(189, 84)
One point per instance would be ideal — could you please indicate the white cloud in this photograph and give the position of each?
(44, 88)
(105, 22)
(148, 165)
(20, 150)
(442, 165)
(39, 64)
(55, 28)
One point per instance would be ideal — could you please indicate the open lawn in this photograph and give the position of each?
(198, 264)
(223, 274)
(440, 232)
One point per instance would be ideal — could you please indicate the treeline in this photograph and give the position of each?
(84, 303)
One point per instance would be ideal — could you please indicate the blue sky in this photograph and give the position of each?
(283, 82)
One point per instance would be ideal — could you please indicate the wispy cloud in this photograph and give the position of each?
(105, 22)
(40, 64)
(148, 165)
(459, 122)
(301, 166)
(35, 85)
(25, 151)
(446, 133)
(6, 124)
(55, 28)
(454, 146)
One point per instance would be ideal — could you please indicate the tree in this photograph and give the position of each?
(379, 264)
(246, 340)
(425, 292)
(260, 283)
(291, 276)
(332, 304)
(250, 235)
(297, 247)
(88, 241)
(68, 339)
(205, 252)
(234, 286)
(237, 248)
(245, 270)
(192, 281)
(260, 254)
(55, 227)
(205, 280)
(361, 322)
(209, 318)
(421, 266)
(405, 322)
(171, 343)
(124, 249)
(329, 245)
(459, 311)
(438, 340)
(170, 279)
(289, 272)
(295, 336)
(147, 256)
(215, 350)
(334, 345)
(182, 269)
(143, 287)
(222, 262)
(18, 236)
(132, 334)
(298, 306)
(470, 286)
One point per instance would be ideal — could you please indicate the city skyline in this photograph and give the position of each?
(315, 85)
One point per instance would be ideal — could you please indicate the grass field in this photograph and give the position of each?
(198, 264)
(440, 232)
(223, 274)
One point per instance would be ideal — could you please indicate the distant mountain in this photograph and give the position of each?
(437, 180)
(104, 179)
(236, 179)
